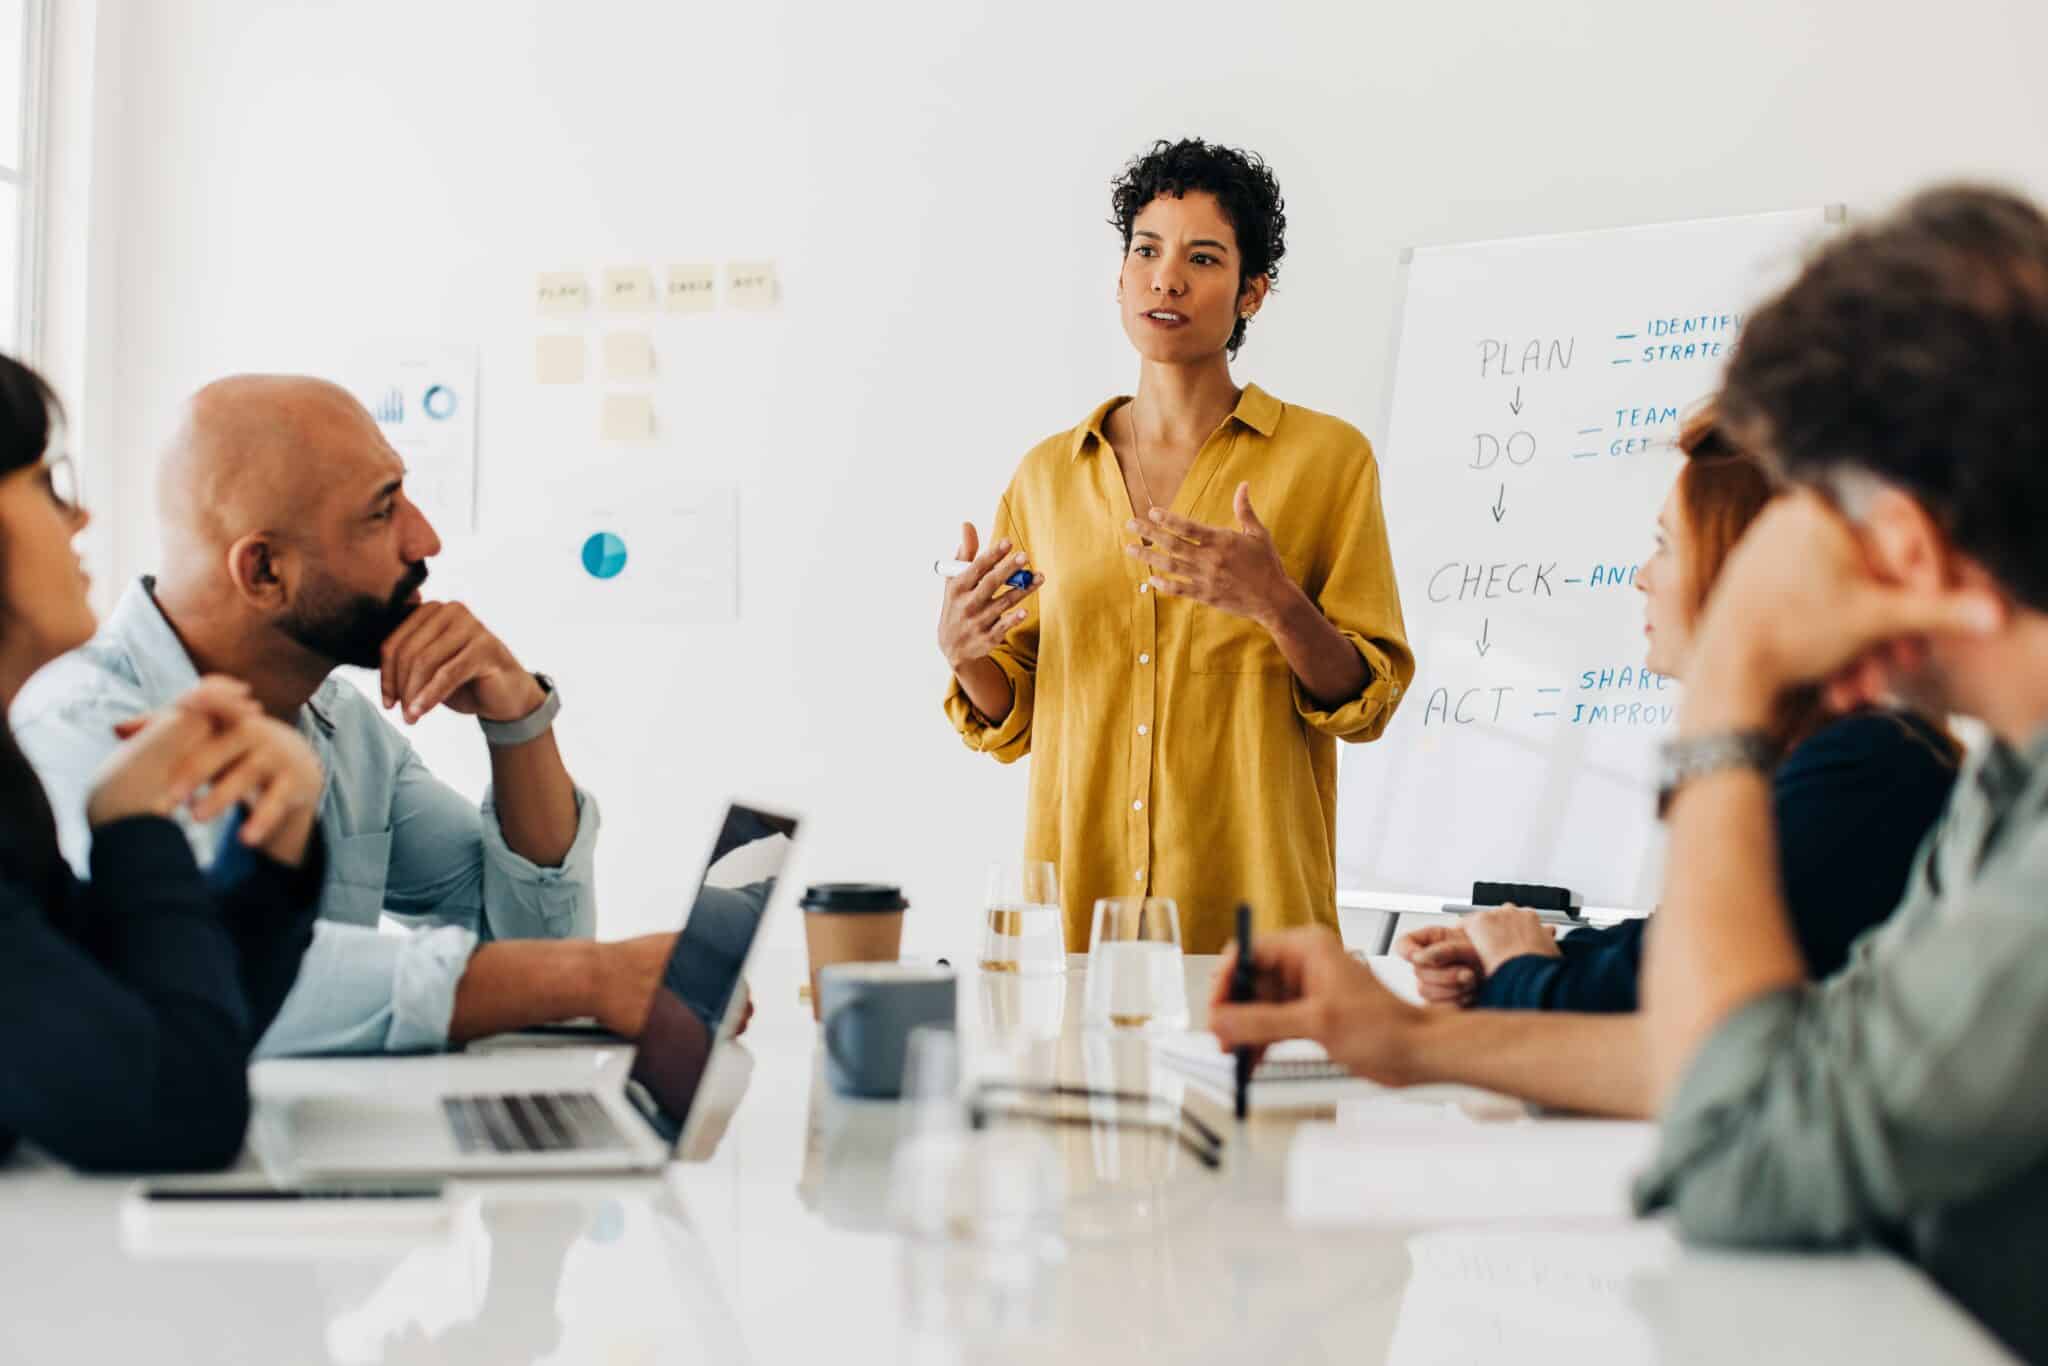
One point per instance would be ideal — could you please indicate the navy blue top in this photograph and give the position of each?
(129, 1004)
(1852, 805)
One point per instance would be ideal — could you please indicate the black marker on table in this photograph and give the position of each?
(1244, 979)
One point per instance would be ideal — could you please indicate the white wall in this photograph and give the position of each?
(294, 178)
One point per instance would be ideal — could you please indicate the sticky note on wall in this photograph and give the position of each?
(628, 289)
(628, 355)
(627, 417)
(558, 360)
(560, 293)
(752, 285)
(691, 289)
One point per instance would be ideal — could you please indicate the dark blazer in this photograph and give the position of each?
(129, 1004)
(1852, 805)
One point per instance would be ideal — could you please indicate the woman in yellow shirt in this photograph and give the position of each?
(1216, 606)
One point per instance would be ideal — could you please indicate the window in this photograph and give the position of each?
(20, 144)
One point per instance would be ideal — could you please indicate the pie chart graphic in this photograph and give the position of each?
(604, 555)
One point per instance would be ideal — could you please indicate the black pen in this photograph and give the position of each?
(1244, 987)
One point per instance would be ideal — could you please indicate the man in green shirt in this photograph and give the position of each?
(1901, 386)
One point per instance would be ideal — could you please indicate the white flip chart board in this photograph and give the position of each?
(1538, 385)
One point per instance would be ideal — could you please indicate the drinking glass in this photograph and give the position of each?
(1135, 978)
(1022, 931)
(931, 1079)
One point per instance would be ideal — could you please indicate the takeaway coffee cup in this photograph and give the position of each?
(851, 922)
(869, 1010)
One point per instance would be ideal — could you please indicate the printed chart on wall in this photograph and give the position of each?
(423, 396)
(670, 558)
(1538, 386)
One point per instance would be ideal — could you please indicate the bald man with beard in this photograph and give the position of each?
(289, 549)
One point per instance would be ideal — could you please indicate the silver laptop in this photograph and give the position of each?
(539, 1109)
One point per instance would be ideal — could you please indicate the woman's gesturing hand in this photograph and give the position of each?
(979, 609)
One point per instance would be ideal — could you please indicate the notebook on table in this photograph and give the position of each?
(1294, 1074)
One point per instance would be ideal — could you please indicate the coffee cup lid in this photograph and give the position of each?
(854, 897)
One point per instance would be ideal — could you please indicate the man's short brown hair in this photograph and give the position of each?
(1916, 349)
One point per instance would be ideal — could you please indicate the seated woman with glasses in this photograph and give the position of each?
(132, 1001)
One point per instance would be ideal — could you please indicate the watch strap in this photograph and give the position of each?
(504, 734)
(1695, 756)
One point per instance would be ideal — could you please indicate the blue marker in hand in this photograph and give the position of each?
(953, 569)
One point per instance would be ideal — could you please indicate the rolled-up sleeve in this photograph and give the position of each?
(450, 865)
(1825, 1114)
(1358, 596)
(362, 990)
(523, 900)
(1010, 739)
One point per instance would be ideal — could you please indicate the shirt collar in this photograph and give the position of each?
(144, 634)
(1255, 409)
(162, 667)
(2007, 774)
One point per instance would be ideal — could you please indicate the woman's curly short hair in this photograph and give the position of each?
(1242, 183)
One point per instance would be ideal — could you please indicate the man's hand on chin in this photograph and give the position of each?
(444, 656)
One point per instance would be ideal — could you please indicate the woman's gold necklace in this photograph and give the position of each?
(1138, 456)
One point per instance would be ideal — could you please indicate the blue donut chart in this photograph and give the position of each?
(438, 402)
(604, 555)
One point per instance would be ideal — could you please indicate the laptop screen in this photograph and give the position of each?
(703, 973)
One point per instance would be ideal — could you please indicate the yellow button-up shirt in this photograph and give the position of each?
(1174, 752)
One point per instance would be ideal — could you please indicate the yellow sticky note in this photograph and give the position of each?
(752, 285)
(558, 360)
(628, 355)
(628, 417)
(629, 289)
(691, 289)
(560, 293)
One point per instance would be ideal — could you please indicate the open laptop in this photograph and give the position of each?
(561, 1109)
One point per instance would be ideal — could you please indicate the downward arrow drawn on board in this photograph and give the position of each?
(1482, 643)
(1515, 404)
(1500, 504)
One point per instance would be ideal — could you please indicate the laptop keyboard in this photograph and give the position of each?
(540, 1122)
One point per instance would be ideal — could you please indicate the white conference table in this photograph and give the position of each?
(777, 1247)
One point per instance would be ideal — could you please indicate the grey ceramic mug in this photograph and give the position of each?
(868, 1011)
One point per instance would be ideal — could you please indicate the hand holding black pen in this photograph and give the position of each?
(1244, 982)
(1307, 987)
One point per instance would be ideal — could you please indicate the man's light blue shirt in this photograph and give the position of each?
(400, 843)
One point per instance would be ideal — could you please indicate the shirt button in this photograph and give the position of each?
(1137, 806)
(1138, 876)
(1144, 730)
(1144, 659)
(1144, 588)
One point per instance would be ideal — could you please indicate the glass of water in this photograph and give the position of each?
(1022, 931)
(1135, 979)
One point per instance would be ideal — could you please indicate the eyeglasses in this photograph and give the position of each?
(60, 477)
(996, 1101)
